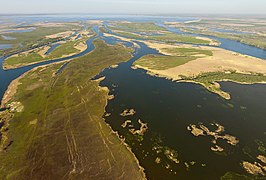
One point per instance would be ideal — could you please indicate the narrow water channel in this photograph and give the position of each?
(7, 76)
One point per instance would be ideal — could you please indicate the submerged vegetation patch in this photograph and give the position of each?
(202, 130)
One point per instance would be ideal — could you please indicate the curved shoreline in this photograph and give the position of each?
(12, 67)
(12, 87)
(221, 93)
(115, 132)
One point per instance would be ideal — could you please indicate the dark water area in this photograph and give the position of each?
(169, 107)
(52, 48)
(78, 37)
(227, 44)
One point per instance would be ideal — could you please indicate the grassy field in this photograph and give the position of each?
(176, 38)
(157, 62)
(131, 30)
(179, 56)
(210, 80)
(33, 56)
(133, 26)
(34, 38)
(250, 39)
(188, 51)
(61, 133)
(166, 37)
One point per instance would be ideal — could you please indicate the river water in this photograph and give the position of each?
(169, 107)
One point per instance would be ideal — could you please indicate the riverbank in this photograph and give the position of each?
(227, 65)
(13, 86)
(36, 55)
(65, 127)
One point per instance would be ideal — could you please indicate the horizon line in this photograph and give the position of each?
(136, 14)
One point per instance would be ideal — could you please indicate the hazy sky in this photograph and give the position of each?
(134, 6)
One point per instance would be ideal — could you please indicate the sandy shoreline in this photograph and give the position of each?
(221, 61)
(223, 94)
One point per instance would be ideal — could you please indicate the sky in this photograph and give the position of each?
(134, 6)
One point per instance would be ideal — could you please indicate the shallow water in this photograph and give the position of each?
(5, 46)
(52, 48)
(7, 37)
(228, 31)
(227, 44)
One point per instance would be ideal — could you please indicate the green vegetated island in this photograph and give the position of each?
(36, 35)
(249, 31)
(54, 126)
(69, 43)
(205, 65)
(150, 31)
(175, 67)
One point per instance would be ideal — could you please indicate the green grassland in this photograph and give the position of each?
(35, 38)
(250, 39)
(158, 62)
(166, 37)
(33, 56)
(147, 26)
(180, 56)
(129, 30)
(188, 51)
(210, 80)
(61, 133)
(169, 37)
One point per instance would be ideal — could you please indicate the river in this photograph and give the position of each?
(169, 107)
